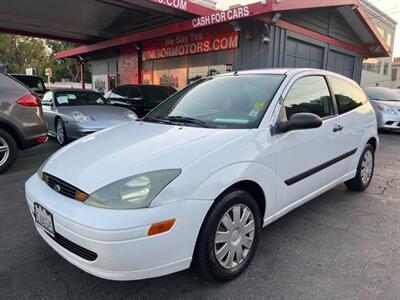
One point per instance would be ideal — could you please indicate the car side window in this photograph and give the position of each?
(348, 95)
(309, 95)
(119, 92)
(134, 93)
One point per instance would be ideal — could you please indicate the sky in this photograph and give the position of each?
(391, 7)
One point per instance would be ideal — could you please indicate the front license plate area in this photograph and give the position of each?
(44, 218)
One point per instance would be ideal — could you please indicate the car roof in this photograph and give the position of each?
(377, 88)
(280, 71)
(71, 90)
(24, 75)
(144, 85)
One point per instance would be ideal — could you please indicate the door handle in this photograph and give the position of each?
(337, 128)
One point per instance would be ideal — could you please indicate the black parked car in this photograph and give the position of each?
(35, 83)
(139, 98)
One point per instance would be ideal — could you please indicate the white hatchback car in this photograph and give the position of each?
(198, 177)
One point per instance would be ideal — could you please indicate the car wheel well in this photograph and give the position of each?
(14, 134)
(249, 186)
(55, 122)
(255, 190)
(372, 141)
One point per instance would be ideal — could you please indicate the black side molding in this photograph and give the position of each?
(312, 171)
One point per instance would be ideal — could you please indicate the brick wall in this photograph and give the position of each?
(128, 65)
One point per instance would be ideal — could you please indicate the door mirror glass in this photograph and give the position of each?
(300, 121)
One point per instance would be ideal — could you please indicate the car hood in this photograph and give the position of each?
(133, 148)
(393, 104)
(97, 112)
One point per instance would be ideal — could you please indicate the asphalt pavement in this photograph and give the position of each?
(342, 245)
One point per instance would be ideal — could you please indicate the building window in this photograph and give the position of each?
(386, 69)
(394, 74)
(372, 65)
(389, 39)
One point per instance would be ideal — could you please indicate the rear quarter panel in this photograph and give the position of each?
(28, 121)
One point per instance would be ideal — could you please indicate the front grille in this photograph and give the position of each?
(74, 248)
(64, 188)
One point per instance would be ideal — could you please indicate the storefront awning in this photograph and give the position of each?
(351, 10)
(91, 21)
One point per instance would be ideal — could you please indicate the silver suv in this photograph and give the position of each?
(21, 120)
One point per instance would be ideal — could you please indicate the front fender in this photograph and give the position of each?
(224, 178)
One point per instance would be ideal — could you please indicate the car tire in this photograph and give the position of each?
(8, 150)
(225, 256)
(61, 133)
(365, 170)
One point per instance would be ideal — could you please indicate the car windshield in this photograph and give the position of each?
(32, 82)
(220, 102)
(76, 98)
(382, 94)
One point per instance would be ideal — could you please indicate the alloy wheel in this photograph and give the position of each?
(234, 237)
(4, 151)
(60, 132)
(367, 166)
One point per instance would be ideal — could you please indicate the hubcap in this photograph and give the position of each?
(367, 167)
(234, 237)
(4, 151)
(60, 132)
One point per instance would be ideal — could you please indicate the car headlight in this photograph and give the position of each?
(133, 192)
(387, 109)
(80, 117)
(131, 115)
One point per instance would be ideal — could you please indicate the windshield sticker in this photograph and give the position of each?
(254, 113)
(232, 121)
(258, 105)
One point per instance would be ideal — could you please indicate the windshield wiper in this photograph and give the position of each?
(187, 120)
(155, 120)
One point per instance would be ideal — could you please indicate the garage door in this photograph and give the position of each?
(341, 63)
(303, 55)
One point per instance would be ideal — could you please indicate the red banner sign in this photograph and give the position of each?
(222, 16)
(190, 43)
(177, 4)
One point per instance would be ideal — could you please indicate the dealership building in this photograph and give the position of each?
(175, 42)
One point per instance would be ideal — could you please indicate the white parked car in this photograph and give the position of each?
(386, 103)
(198, 177)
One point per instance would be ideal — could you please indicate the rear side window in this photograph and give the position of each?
(348, 95)
(119, 92)
(309, 95)
(156, 93)
(32, 82)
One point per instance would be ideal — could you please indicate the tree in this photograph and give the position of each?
(20, 53)
(65, 69)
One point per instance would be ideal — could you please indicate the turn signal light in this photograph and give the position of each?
(161, 227)
(80, 196)
(30, 101)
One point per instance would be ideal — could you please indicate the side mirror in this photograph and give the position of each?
(300, 121)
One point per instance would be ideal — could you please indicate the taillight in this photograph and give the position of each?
(42, 139)
(30, 100)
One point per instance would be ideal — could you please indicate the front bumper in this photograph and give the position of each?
(119, 238)
(389, 122)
